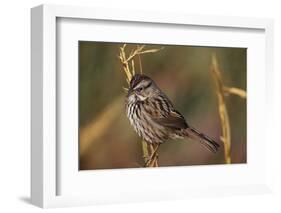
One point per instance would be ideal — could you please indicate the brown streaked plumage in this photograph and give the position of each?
(154, 117)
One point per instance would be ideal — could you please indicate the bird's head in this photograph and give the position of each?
(141, 87)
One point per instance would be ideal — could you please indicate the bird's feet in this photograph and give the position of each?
(152, 160)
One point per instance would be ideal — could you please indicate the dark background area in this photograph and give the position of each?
(183, 73)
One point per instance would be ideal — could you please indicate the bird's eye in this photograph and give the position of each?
(140, 89)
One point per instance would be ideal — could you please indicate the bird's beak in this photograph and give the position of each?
(130, 91)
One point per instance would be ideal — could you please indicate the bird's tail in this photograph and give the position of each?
(208, 142)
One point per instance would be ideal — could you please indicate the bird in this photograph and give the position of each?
(154, 117)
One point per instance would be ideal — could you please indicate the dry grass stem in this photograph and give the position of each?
(145, 151)
(226, 132)
(235, 91)
(129, 70)
(221, 92)
(140, 64)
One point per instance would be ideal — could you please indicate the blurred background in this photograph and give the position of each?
(106, 139)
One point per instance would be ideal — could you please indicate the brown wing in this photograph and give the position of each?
(172, 120)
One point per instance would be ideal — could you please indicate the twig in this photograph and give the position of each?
(226, 132)
(152, 161)
(235, 91)
(140, 64)
(145, 151)
(129, 70)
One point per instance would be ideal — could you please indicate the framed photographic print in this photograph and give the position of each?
(130, 106)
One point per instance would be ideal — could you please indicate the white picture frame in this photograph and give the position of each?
(45, 178)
